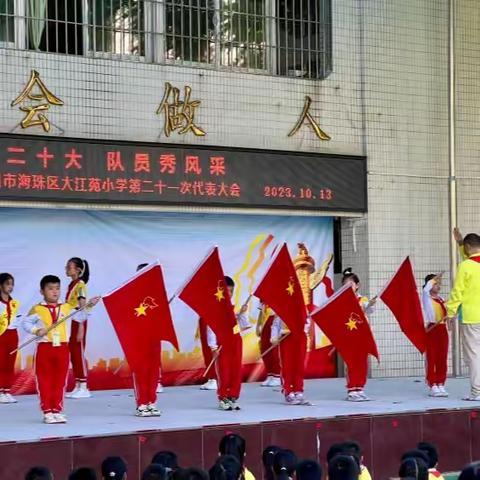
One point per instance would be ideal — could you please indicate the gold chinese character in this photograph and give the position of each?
(34, 108)
(306, 116)
(179, 115)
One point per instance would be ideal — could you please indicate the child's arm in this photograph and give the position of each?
(242, 318)
(369, 305)
(33, 325)
(211, 339)
(276, 330)
(427, 302)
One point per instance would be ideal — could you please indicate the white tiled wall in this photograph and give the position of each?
(387, 98)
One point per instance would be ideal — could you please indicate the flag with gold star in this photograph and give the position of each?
(281, 291)
(344, 322)
(207, 294)
(140, 315)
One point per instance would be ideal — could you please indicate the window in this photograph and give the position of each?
(7, 20)
(304, 46)
(279, 37)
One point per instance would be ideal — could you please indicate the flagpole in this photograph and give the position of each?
(54, 326)
(214, 359)
(269, 349)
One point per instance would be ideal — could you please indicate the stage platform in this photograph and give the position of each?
(399, 415)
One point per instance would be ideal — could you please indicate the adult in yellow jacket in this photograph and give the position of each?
(466, 295)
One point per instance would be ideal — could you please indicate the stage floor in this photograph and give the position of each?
(111, 412)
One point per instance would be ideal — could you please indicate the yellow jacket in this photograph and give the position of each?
(466, 292)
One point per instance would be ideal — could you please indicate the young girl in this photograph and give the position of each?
(8, 337)
(436, 356)
(79, 272)
(272, 359)
(357, 376)
(293, 349)
(234, 444)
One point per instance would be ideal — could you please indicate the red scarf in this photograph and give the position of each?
(71, 287)
(53, 311)
(440, 302)
(476, 258)
(9, 308)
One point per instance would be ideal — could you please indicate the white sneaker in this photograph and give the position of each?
(59, 418)
(143, 411)
(81, 392)
(267, 382)
(363, 396)
(74, 391)
(210, 385)
(354, 397)
(443, 391)
(49, 418)
(275, 382)
(3, 398)
(160, 388)
(291, 399)
(225, 405)
(154, 411)
(472, 398)
(434, 391)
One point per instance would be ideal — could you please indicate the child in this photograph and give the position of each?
(292, 349)
(227, 467)
(272, 358)
(8, 337)
(308, 470)
(233, 444)
(432, 453)
(159, 384)
(284, 464)
(437, 336)
(39, 473)
(51, 357)
(114, 468)
(78, 270)
(211, 383)
(357, 376)
(353, 448)
(413, 468)
(229, 359)
(268, 457)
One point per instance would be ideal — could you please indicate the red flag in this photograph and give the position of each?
(207, 294)
(281, 291)
(343, 321)
(140, 315)
(401, 297)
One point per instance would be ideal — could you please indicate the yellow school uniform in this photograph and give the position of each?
(42, 316)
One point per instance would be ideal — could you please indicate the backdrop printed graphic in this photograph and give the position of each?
(40, 241)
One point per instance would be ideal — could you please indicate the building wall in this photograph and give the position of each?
(387, 98)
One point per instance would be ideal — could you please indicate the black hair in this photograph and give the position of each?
(284, 464)
(413, 468)
(113, 468)
(39, 473)
(343, 467)
(334, 450)
(268, 456)
(472, 240)
(429, 277)
(471, 472)
(431, 451)
(417, 453)
(233, 444)
(227, 467)
(83, 473)
(352, 448)
(348, 274)
(83, 266)
(191, 473)
(48, 279)
(154, 472)
(5, 277)
(309, 470)
(167, 459)
(229, 281)
(141, 266)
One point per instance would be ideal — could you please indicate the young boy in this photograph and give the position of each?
(432, 453)
(228, 361)
(437, 336)
(52, 354)
(8, 337)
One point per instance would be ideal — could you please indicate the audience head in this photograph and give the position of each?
(284, 464)
(268, 456)
(471, 472)
(419, 454)
(114, 468)
(227, 467)
(343, 467)
(83, 473)
(233, 444)
(431, 451)
(154, 472)
(189, 474)
(167, 459)
(413, 468)
(39, 473)
(334, 450)
(308, 470)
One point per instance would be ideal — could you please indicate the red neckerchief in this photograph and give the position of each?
(53, 311)
(72, 285)
(9, 308)
(476, 258)
(440, 302)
